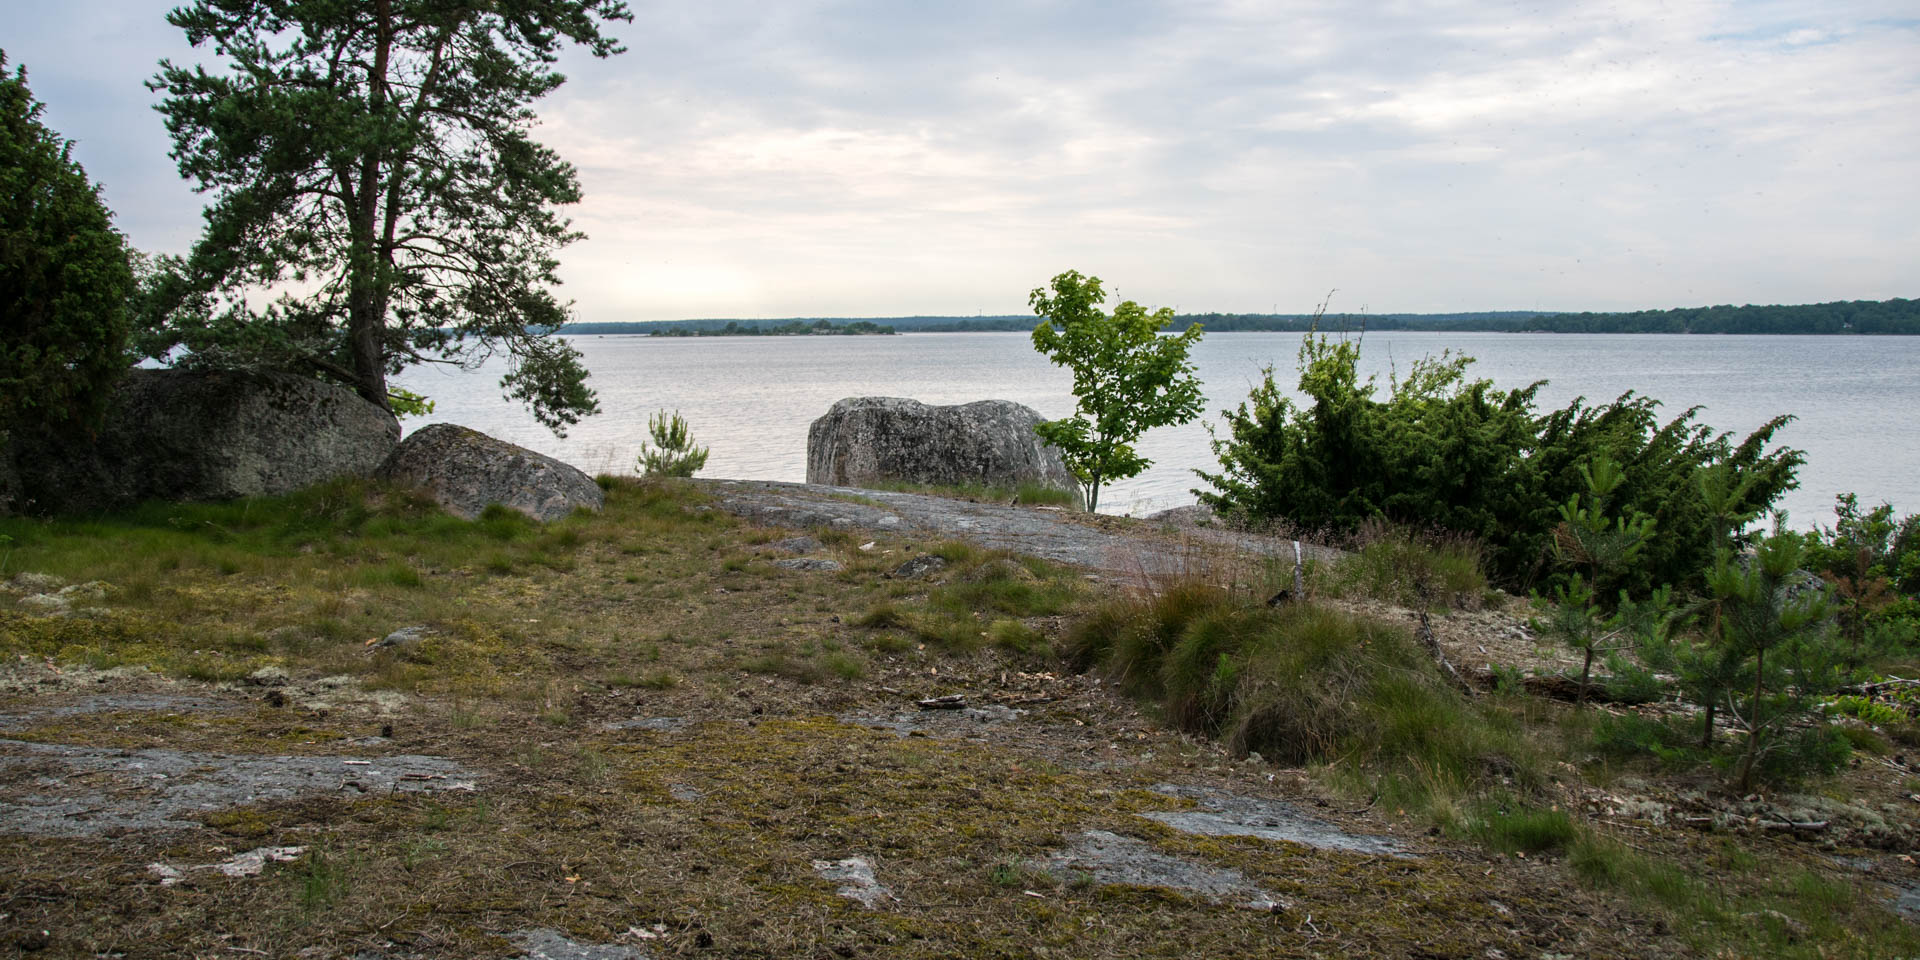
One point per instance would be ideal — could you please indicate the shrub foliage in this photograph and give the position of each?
(64, 274)
(1440, 449)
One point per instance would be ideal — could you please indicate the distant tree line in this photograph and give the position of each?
(734, 328)
(1896, 316)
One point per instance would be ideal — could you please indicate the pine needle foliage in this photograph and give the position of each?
(672, 452)
(378, 200)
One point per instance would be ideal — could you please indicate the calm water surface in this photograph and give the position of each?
(750, 399)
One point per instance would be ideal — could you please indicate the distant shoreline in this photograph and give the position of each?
(1896, 317)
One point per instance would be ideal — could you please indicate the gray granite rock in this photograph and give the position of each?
(921, 565)
(466, 470)
(863, 441)
(204, 435)
(405, 636)
(545, 944)
(793, 545)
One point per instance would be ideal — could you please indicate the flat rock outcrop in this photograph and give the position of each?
(863, 441)
(204, 435)
(465, 470)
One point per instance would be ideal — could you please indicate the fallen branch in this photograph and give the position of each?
(1554, 686)
(1814, 826)
(1428, 640)
(952, 701)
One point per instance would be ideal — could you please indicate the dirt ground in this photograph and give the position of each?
(677, 767)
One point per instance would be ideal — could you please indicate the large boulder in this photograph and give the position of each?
(864, 441)
(204, 435)
(466, 470)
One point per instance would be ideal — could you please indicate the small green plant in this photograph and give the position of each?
(1016, 636)
(844, 665)
(1862, 708)
(672, 453)
(323, 880)
(1507, 826)
(1788, 658)
(1127, 377)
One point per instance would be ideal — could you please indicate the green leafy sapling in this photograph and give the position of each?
(672, 453)
(1126, 376)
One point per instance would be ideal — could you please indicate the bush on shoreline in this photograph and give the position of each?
(1443, 451)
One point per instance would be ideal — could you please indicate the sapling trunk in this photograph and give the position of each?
(1754, 724)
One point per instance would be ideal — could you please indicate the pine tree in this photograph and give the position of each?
(377, 198)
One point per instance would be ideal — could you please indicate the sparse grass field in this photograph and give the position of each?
(696, 837)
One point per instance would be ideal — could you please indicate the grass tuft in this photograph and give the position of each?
(1402, 566)
(1303, 684)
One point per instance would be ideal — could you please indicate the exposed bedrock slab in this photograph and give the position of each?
(544, 944)
(1113, 859)
(956, 722)
(1049, 534)
(57, 790)
(1227, 815)
(113, 703)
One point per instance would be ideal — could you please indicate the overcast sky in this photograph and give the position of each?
(802, 158)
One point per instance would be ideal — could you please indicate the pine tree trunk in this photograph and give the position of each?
(1585, 670)
(1754, 725)
(366, 306)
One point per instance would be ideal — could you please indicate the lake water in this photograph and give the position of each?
(750, 399)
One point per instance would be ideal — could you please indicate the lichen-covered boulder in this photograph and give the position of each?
(864, 441)
(203, 435)
(465, 470)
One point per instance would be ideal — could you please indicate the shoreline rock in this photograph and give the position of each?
(863, 441)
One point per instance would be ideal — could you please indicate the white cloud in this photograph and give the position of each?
(852, 158)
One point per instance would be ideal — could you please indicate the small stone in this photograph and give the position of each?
(250, 864)
(35, 583)
(793, 545)
(920, 566)
(267, 677)
(46, 604)
(93, 591)
(808, 563)
(857, 880)
(1794, 929)
(405, 636)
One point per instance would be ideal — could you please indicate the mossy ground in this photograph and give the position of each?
(698, 841)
